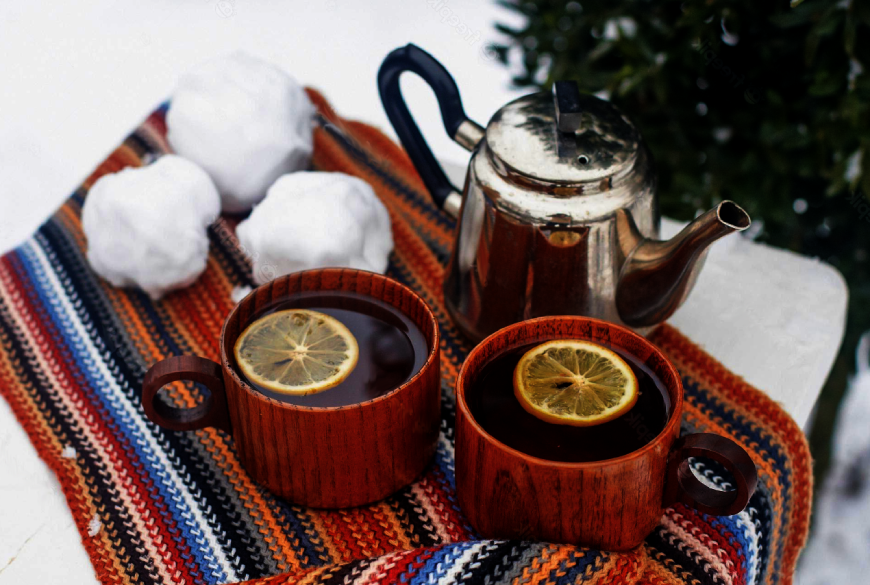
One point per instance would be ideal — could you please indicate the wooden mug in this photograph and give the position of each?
(322, 457)
(611, 504)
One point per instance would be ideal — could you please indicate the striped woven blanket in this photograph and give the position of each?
(155, 506)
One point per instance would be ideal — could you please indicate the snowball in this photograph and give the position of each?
(239, 293)
(245, 122)
(315, 220)
(147, 226)
(94, 526)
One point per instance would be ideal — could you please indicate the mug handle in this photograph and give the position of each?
(682, 486)
(211, 412)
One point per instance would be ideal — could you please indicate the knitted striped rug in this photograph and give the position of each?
(155, 506)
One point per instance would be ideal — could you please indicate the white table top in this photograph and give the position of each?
(78, 76)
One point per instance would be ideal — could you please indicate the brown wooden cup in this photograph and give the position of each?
(320, 457)
(611, 504)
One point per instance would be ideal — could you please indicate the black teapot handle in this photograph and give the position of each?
(459, 127)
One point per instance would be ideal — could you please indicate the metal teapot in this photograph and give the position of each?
(558, 215)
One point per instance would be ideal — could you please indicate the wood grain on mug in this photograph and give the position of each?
(612, 504)
(340, 456)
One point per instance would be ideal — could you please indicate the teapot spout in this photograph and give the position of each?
(657, 276)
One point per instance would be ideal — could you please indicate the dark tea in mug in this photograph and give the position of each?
(391, 348)
(494, 406)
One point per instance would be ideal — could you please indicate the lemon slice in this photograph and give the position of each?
(296, 351)
(574, 382)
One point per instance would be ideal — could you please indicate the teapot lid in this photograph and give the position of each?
(564, 138)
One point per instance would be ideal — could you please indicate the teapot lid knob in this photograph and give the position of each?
(566, 140)
(566, 97)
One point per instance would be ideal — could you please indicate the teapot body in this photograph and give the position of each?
(521, 253)
(558, 214)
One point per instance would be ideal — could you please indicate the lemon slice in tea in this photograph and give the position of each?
(296, 351)
(574, 382)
